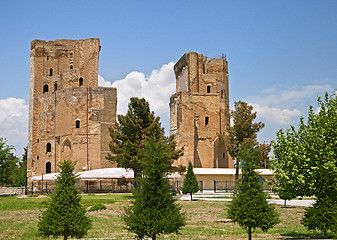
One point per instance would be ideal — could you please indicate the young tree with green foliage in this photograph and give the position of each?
(312, 153)
(243, 128)
(131, 132)
(249, 207)
(7, 163)
(153, 210)
(20, 171)
(288, 181)
(65, 216)
(190, 184)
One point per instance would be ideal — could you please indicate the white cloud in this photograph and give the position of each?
(276, 115)
(14, 122)
(283, 106)
(290, 97)
(156, 89)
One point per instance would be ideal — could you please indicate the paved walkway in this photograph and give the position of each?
(211, 196)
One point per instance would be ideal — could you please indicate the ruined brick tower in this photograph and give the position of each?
(69, 115)
(199, 110)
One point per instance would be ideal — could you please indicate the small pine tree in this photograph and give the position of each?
(65, 216)
(153, 210)
(190, 184)
(249, 207)
(321, 216)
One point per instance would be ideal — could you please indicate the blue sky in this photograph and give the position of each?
(281, 54)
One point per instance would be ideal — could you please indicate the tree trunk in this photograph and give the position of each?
(285, 203)
(65, 237)
(154, 237)
(136, 176)
(237, 167)
(191, 196)
(249, 233)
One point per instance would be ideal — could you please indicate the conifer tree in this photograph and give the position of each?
(321, 216)
(133, 128)
(65, 216)
(190, 184)
(249, 207)
(153, 210)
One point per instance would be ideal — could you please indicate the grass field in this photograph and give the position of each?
(205, 220)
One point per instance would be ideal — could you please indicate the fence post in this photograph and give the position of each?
(215, 186)
(226, 186)
(201, 186)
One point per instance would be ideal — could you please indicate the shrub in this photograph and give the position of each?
(96, 207)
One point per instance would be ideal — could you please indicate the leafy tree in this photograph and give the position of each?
(264, 161)
(20, 171)
(249, 207)
(153, 210)
(131, 132)
(243, 128)
(7, 163)
(288, 180)
(190, 184)
(312, 152)
(65, 216)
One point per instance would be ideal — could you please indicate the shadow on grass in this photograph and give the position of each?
(313, 235)
(288, 207)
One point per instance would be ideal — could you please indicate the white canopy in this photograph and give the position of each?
(99, 174)
(226, 171)
(45, 177)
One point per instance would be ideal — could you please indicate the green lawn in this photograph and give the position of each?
(205, 220)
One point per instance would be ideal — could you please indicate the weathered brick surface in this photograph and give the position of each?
(64, 89)
(199, 110)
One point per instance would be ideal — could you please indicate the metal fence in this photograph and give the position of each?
(228, 186)
(97, 186)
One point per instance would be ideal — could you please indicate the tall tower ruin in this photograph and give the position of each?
(69, 115)
(199, 110)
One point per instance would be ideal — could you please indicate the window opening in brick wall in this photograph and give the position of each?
(80, 82)
(206, 121)
(48, 147)
(48, 167)
(208, 88)
(77, 123)
(45, 88)
(55, 87)
(71, 66)
(50, 72)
